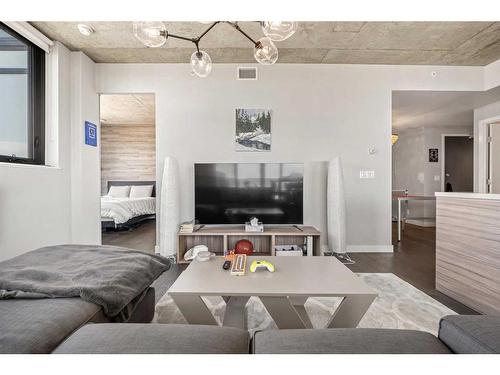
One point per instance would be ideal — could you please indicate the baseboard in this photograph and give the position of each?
(423, 222)
(369, 248)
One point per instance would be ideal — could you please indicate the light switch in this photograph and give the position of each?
(437, 178)
(367, 174)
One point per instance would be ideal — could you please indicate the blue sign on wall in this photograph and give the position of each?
(90, 134)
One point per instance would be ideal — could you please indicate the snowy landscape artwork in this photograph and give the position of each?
(253, 129)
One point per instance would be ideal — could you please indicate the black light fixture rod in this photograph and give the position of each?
(237, 27)
(207, 30)
(181, 37)
(197, 40)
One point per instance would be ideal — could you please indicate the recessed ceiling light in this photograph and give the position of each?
(85, 29)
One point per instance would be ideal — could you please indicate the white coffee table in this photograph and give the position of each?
(283, 292)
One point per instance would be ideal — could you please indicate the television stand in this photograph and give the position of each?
(221, 238)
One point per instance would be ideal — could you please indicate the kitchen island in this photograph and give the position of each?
(468, 249)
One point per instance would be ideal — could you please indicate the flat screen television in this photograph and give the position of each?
(232, 193)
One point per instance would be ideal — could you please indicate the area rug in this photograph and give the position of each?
(399, 305)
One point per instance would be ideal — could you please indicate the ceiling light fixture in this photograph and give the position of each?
(201, 63)
(279, 30)
(155, 34)
(85, 29)
(265, 51)
(151, 34)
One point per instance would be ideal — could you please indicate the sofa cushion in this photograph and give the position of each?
(144, 311)
(40, 325)
(346, 341)
(471, 334)
(155, 339)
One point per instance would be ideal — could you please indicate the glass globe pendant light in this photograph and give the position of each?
(265, 51)
(151, 34)
(201, 63)
(279, 30)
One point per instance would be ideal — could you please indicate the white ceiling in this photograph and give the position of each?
(128, 109)
(408, 43)
(414, 109)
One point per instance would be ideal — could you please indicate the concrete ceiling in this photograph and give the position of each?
(128, 109)
(413, 43)
(414, 109)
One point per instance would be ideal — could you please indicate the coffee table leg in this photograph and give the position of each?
(194, 309)
(350, 312)
(235, 312)
(298, 303)
(295, 300)
(283, 312)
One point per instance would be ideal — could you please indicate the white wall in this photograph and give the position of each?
(408, 161)
(492, 75)
(56, 204)
(481, 116)
(35, 200)
(412, 169)
(319, 111)
(85, 159)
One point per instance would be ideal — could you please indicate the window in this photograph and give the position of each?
(22, 99)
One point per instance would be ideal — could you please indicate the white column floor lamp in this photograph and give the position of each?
(336, 211)
(169, 208)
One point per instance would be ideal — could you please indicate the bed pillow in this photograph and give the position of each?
(141, 191)
(119, 191)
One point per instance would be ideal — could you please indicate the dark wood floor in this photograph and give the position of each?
(141, 238)
(413, 259)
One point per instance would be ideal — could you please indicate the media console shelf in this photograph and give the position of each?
(220, 239)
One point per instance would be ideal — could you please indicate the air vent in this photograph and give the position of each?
(247, 73)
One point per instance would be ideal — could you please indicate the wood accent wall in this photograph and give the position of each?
(127, 153)
(468, 252)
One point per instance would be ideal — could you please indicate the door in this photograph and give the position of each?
(494, 158)
(458, 163)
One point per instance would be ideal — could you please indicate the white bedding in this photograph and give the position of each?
(122, 210)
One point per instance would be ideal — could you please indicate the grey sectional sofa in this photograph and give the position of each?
(457, 334)
(156, 339)
(32, 326)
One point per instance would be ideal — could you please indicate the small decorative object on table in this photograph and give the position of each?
(243, 247)
(288, 250)
(230, 256)
(203, 256)
(254, 225)
(239, 264)
(187, 227)
(194, 251)
(258, 264)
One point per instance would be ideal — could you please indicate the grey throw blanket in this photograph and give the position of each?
(109, 276)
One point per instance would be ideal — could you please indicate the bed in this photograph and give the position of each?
(127, 212)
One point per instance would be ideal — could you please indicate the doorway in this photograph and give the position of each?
(458, 165)
(128, 171)
(494, 158)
